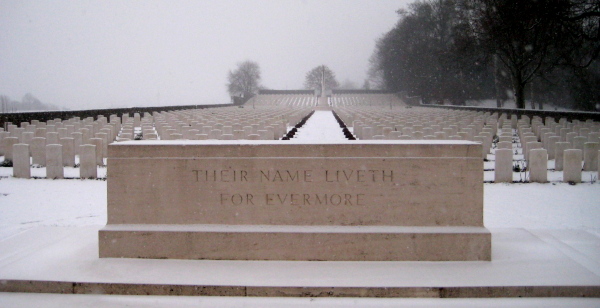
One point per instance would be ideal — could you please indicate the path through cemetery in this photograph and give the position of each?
(321, 126)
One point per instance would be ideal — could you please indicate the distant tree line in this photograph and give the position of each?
(455, 50)
(27, 103)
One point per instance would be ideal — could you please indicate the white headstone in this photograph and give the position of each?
(590, 157)
(38, 151)
(87, 162)
(68, 151)
(21, 161)
(9, 142)
(559, 154)
(503, 171)
(54, 162)
(98, 142)
(538, 166)
(572, 165)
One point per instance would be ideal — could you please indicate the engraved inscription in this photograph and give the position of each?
(322, 177)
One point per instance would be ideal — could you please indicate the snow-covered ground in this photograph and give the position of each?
(321, 126)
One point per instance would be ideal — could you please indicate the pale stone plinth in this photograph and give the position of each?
(21, 161)
(590, 157)
(87, 162)
(572, 166)
(267, 200)
(559, 154)
(54, 161)
(503, 170)
(538, 165)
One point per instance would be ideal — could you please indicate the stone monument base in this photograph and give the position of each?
(269, 200)
(298, 243)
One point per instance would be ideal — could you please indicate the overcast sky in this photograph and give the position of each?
(101, 54)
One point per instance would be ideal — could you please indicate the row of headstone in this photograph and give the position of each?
(537, 140)
(366, 100)
(574, 146)
(56, 144)
(275, 100)
(229, 123)
(54, 161)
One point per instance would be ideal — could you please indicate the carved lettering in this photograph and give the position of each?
(312, 199)
(285, 176)
(223, 175)
(237, 199)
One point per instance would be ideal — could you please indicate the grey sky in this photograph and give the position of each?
(101, 54)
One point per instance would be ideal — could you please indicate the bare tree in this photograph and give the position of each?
(318, 76)
(245, 79)
(530, 38)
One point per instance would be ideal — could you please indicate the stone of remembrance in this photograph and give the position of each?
(273, 200)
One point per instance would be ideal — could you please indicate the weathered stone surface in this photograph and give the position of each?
(399, 186)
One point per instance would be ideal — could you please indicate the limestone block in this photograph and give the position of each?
(572, 165)
(21, 161)
(250, 200)
(54, 161)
